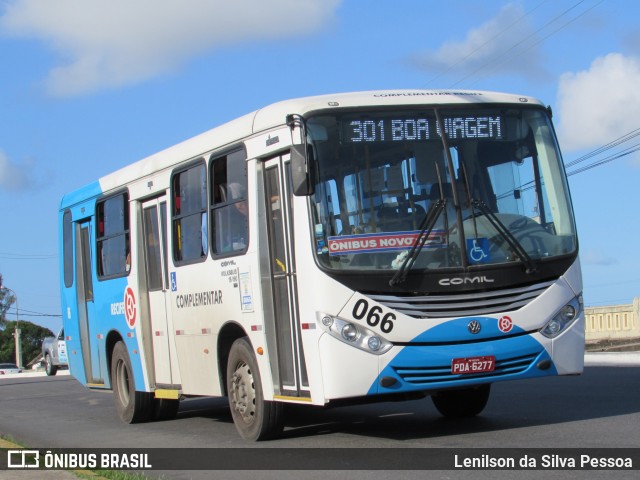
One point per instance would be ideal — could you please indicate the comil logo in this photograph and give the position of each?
(23, 459)
(447, 282)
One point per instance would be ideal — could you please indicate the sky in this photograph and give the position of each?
(89, 86)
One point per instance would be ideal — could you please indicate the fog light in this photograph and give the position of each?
(349, 332)
(553, 327)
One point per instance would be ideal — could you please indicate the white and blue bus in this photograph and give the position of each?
(338, 248)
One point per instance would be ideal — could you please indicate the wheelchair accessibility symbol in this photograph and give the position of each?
(478, 250)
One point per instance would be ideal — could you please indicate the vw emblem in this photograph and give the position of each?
(474, 326)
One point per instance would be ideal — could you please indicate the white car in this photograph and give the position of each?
(6, 368)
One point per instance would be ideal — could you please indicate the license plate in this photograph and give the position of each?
(473, 364)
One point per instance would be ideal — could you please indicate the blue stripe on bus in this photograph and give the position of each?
(428, 367)
(103, 321)
(111, 292)
(82, 194)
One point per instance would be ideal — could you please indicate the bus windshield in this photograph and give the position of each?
(497, 174)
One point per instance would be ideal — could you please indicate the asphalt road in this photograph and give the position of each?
(601, 408)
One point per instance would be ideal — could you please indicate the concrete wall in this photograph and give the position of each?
(613, 322)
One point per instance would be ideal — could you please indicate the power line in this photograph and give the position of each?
(451, 67)
(516, 45)
(614, 143)
(29, 313)
(35, 314)
(26, 256)
(608, 159)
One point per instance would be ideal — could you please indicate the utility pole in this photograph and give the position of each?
(17, 331)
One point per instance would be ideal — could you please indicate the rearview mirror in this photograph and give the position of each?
(302, 171)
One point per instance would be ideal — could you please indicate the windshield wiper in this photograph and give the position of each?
(426, 227)
(514, 243)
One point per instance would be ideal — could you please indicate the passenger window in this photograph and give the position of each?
(67, 248)
(229, 208)
(112, 238)
(190, 233)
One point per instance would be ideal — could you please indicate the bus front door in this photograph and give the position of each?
(154, 219)
(289, 371)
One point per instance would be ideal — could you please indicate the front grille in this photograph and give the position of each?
(429, 375)
(463, 304)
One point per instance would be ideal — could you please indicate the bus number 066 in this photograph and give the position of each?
(361, 310)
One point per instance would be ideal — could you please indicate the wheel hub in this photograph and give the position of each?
(123, 382)
(242, 392)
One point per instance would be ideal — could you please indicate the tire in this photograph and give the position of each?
(49, 367)
(132, 406)
(165, 409)
(254, 418)
(462, 403)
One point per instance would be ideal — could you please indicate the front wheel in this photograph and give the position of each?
(49, 367)
(132, 406)
(462, 403)
(254, 418)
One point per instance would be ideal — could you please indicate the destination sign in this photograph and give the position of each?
(416, 129)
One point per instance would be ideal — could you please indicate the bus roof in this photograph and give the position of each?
(275, 115)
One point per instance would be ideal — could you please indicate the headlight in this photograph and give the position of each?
(563, 318)
(354, 334)
(349, 332)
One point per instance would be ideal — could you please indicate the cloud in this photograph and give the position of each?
(110, 43)
(597, 257)
(489, 48)
(598, 105)
(13, 177)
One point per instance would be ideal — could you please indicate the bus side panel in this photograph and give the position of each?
(201, 301)
(118, 309)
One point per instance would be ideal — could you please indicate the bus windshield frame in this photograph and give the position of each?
(497, 171)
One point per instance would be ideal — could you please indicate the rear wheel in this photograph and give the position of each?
(132, 406)
(49, 367)
(254, 418)
(462, 403)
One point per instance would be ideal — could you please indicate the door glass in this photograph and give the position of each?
(276, 225)
(165, 249)
(280, 286)
(86, 259)
(152, 247)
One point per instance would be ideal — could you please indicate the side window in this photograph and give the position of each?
(189, 214)
(113, 241)
(229, 210)
(67, 248)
